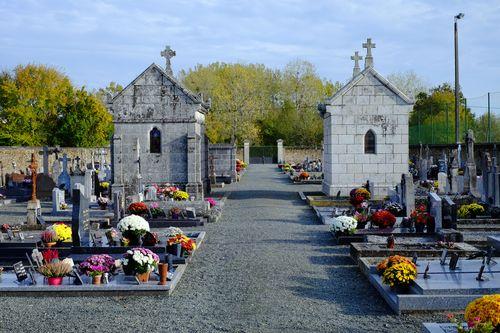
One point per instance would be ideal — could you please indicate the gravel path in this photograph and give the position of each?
(266, 266)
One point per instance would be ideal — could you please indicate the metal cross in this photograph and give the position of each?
(168, 54)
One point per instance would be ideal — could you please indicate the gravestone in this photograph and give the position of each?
(117, 205)
(64, 181)
(56, 170)
(44, 186)
(87, 182)
(449, 213)
(190, 213)
(281, 158)
(80, 187)
(470, 169)
(408, 192)
(454, 172)
(80, 221)
(436, 210)
(57, 200)
(442, 182)
(151, 193)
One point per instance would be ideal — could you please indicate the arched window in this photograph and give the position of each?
(155, 141)
(370, 142)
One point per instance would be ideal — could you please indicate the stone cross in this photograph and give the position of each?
(356, 57)
(168, 54)
(369, 58)
(33, 168)
(470, 146)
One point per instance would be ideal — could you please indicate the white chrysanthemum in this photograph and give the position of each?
(343, 224)
(133, 222)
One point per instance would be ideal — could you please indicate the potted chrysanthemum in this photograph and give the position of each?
(55, 272)
(140, 261)
(343, 226)
(133, 227)
(96, 265)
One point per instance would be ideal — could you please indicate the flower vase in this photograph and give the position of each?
(55, 281)
(175, 216)
(143, 277)
(361, 225)
(163, 270)
(133, 239)
(96, 279)
(419, 227)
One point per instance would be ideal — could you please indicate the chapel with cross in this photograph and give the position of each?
(365, 131)
(159, 134)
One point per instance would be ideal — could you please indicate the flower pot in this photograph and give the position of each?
(175, 249)
(96, 279)
(144, 277)
(133, 239)
(431, 226)
(175, 216)
(361, 225)
(163, 270)
(51, 244)
(419, 227)
(103, 207)
(55, 281)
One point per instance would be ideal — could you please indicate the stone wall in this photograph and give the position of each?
(21, 156)
(293, 154)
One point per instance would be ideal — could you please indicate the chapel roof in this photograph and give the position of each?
(193, 97)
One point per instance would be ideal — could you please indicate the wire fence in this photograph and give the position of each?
(481, 114)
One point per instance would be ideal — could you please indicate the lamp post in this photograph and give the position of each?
(457, 84)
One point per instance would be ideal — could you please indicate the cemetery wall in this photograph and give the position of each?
(21, 156)
(293, 154)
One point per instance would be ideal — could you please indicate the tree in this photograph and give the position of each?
(38, 104)
(260, 104)
(409, 83)
(110, 91)
(432, 119)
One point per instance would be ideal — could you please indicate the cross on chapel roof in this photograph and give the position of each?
(369, 58)
(168, 54)
(356, 57)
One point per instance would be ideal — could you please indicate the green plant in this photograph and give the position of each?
(468, 211)
(55, 269)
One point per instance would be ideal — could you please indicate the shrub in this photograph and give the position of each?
(468, 211)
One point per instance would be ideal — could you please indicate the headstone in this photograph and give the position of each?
(80, 221)
(442, 182)
(436, 210)
(190, 213)
(88, 183)
(56, 170)
(449, 213)
(408, 192)
(20, 271)
(470, 168)
(151, 193)
(64, 181)
(34, 208)
(57, 199)
(44, 186)
(454, 172)
(80, 187)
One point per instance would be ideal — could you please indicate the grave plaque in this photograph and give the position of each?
(426, 272)
(80, 221)
(480, 273)
(415, 258)
(190, 213)
(10, 234)
(20, 271)
(454, 261)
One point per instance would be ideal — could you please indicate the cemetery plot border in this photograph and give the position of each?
(443, 290)
(121, 286)
(359, 250)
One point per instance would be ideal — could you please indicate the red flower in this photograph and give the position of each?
(383, 219)
(356, 200)
(138, 208)
(49, 255)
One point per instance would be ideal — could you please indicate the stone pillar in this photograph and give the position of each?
(194, 185)
(88, 184)
(436, 210)
(442, 182)
(281, 157)
(246, 152)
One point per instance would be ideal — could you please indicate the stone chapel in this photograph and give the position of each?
(159, 134)
(365, 132)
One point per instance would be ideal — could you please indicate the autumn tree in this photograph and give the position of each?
(40, 106)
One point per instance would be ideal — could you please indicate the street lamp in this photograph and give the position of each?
(457, 85)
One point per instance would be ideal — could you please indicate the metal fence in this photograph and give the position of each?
(438, 127)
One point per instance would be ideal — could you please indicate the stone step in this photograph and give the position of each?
(482, 220)
(479, 227)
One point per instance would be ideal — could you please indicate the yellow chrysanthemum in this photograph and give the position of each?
(486, 308)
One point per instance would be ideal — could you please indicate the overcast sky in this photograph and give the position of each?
(96, 42)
